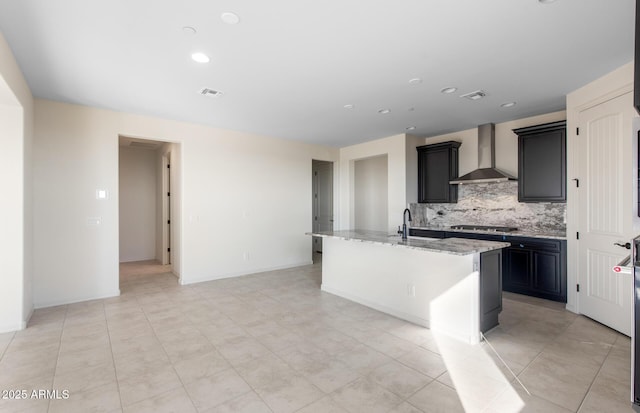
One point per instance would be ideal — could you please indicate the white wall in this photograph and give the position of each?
(411, 167)
(371, 194)
(11, 208)
(506, 143)
(395, 147)
(138, 203)
(174, 151)
(16, 242)
(237, 193)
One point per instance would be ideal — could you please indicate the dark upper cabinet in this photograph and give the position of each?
(542, 163)
(437, 165)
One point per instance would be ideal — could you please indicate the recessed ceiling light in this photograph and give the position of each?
(508, 104)
(349, 106)
(188, 31)
(384, 111)
(448, 90)
(200, 57)
(546, 1)
(411, 128)
(415, 80)
(230, 18)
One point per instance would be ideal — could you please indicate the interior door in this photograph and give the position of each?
(167, 199)
(605, 196)
(322, 200)
(165, 210)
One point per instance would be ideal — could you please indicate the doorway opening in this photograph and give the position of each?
(147, 209)
(322, 201)
(370, 189)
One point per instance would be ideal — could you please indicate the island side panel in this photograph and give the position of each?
(382, 276)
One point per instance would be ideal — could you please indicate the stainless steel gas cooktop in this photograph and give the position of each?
(488, 228)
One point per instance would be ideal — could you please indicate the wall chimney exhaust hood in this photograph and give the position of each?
(486, 171)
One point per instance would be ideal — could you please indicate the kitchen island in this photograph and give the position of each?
(450, 285)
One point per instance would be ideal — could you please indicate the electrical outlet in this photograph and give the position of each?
(411, 290)
(245, 256)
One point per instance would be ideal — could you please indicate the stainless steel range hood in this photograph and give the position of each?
(486, 171)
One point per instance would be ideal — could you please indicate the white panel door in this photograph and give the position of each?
(322, 200)
(605, 196)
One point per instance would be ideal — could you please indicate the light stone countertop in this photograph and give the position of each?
(455, 246)
(559, 235)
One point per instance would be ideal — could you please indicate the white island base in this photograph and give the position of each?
(434, 289)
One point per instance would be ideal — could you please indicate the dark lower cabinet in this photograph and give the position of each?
(490, 289)
(426, 233)
(518, 268)
(545, 263)
(537, 269)
(531, 266)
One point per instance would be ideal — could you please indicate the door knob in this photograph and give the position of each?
(625, 245)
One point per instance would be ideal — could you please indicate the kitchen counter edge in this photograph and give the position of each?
(454, 246)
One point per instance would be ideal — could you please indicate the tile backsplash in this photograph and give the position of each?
(492, 204)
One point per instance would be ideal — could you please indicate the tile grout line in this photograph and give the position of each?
(231, 366)
(553, 341)
(66, 313)
(13, 336)
(526, 366)
(365, 377)
(115, 371)
(584, 398)
(285, 362)
(168, 358)
(505, 364)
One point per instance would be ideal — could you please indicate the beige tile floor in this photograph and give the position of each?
(273, 342)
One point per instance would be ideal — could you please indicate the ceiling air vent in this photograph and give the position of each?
(210, 92)
(477, 95)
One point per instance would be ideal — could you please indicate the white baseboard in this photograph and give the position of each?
(241, 273)
(74, 300)
(10, 328)
(25, 322)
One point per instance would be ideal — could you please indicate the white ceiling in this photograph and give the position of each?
(289, 67)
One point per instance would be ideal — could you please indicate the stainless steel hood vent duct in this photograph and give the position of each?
(486, 171)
